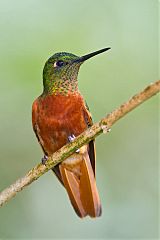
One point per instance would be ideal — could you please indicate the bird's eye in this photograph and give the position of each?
(59, 63)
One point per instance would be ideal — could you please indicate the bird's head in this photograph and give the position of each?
(61, 70)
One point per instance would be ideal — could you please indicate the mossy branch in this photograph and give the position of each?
(100, 127)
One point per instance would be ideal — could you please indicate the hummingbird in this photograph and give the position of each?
(59, 115)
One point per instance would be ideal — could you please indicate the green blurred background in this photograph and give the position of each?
(127, 158)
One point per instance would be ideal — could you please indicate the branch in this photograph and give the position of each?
(100, 127)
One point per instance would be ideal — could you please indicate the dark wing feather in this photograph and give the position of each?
(57, 173)
(92, 155)
(91, 150)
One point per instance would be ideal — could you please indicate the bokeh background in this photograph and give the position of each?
(127, 158)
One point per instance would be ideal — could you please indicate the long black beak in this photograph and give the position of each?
(85, 57)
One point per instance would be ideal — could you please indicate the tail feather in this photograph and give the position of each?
(71, 184)
(80, 184)
(88, 189)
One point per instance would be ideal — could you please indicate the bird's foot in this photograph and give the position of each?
(44, 159)
(71, 139)
(105, 129)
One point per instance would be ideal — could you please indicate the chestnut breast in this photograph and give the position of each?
(57, 118)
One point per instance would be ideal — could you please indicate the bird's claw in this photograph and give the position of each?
(44, 159)
(105, 129)
(71, 139)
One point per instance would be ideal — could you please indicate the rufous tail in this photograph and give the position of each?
(80, 183)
